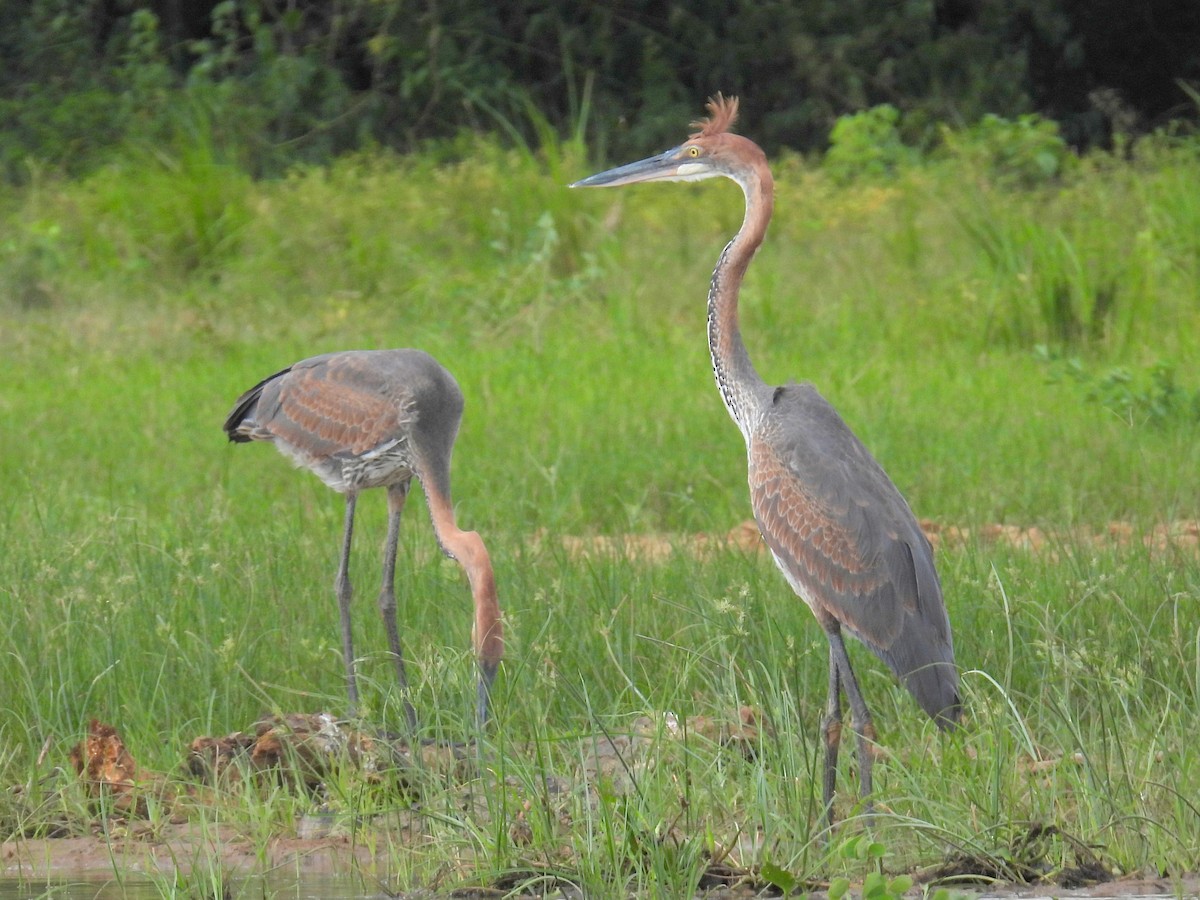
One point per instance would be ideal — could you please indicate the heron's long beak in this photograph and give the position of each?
(668, 166)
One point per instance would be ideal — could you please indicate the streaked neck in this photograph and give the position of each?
(740, 385)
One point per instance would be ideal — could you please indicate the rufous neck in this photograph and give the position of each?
(738, 381)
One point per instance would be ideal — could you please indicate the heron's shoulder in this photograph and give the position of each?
(404, 360)
(803, 435)
(406, 376)
(799, 414)
(800, 396)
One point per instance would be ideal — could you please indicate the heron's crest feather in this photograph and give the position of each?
(723, 113)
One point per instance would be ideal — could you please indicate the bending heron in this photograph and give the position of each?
(839, 530)
(378, 418)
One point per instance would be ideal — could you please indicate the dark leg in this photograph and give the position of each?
(832, 730)
(487, 674)
(341, 587)
(860, 718)
(397, 494)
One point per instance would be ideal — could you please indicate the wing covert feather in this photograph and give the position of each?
(336, 407)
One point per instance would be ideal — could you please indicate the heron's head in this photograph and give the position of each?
(709, 152)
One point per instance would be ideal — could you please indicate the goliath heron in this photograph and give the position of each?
(839, 530)
(377, 418)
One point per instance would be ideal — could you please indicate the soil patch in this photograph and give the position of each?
(1181, 536)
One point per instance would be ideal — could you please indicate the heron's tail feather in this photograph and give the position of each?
(935, 687)
(239, 424)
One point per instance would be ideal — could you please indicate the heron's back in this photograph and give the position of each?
(358, 418)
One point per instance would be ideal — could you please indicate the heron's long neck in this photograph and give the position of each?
(740, 385)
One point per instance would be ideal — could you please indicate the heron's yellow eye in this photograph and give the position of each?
(693, 152)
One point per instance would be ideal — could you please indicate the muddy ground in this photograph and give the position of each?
(300, 749)
(315, 858)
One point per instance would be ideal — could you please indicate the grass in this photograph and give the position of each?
(170, 584)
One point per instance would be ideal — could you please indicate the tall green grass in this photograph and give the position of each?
(169, 583)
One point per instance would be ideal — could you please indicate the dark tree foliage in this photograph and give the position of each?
(273, 82)
(1133, 53)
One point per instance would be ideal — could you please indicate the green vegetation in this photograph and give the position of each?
(968, 325)
(310, 80)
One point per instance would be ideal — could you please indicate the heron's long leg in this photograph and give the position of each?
(831, 728)
(397, 494)
(487, 675)
(341, 586)
(860, 717)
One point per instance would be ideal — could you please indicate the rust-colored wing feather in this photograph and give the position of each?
(359, 418)
(848, 543)
(338, 405)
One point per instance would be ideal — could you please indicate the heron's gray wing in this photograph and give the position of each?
(338, 405)
(848, 542)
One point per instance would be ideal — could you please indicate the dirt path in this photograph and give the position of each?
(1182, 536)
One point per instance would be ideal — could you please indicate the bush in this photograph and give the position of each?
(867, 145)
(1025, 152)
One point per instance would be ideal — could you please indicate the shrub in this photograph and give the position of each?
(1025, 152)
(867, 145)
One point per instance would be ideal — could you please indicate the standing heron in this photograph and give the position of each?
(839, 530)
(377, 418)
